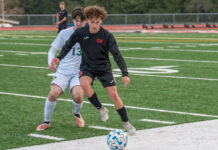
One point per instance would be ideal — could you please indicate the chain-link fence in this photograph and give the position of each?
(125, 19)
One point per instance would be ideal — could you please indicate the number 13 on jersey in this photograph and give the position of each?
(77, 51)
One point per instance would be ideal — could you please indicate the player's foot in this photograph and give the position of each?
(79, 120)
(104, 114)
(43, 126)
(129, 128)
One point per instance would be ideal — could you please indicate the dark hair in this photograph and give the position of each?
(95, 11)
(78, 11)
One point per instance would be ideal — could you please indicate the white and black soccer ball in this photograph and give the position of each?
(117, 140)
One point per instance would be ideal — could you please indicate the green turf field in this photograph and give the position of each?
(184, 91)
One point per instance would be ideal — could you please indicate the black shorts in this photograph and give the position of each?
(61, 27)
(106, 77)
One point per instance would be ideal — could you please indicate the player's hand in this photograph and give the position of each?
(126, 81)
(53, 64)
(57, 23)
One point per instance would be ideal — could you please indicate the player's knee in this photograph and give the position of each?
(115, 96)
(85, 86)
(52, 96)
(78, 97)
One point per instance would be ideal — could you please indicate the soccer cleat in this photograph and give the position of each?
(129, 128)
(104, 114)
(79, 121)
(43, 126)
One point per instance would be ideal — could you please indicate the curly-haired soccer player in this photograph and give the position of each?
(96, 43)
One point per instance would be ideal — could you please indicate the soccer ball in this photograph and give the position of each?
(117, 140)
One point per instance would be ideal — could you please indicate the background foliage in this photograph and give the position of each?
(114, 6)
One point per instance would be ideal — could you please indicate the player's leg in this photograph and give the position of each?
(109, 84)
(58, 86)
(112, 92)
(86, 80)
(50, 105)
(77, 95)
(59, 28)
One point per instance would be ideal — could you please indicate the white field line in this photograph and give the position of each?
(122, 49)
(102, 128)
(159, 76)
(1, 55)
(124, 37)
(24, 52)
(20, 66)
(46, 38)
(14, 43)
(20, 54)
(46, 137)
(157, 48)
(172, 43)
(28, 36)
(177, 60)
(176, 77)
(118, 37)
(190, 45)
(26, 39)
(37, 44)
(173, 46)
(111, 105)
(168, 38)
(170, 50)
(157, 121)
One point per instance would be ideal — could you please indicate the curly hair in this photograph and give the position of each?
(95, 12)
(78, 11)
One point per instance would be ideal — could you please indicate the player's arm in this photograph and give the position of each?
(68, 45)
(51, 54)
(61, 21)
(55, 46)
(113, 48)
(64, 19)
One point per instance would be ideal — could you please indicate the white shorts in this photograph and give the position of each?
(63, 81)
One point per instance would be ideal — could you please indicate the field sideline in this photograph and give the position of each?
(173, 81)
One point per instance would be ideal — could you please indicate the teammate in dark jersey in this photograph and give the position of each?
(96, 43)
(63, 15)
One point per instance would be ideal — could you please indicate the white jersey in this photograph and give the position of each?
(71, 62)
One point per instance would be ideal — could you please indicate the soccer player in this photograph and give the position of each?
(96, 43)
(63, 15)
(67, 73)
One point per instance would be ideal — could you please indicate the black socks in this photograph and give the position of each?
(123, 114)
(94, 100)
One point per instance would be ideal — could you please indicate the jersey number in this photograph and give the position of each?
(78, 53)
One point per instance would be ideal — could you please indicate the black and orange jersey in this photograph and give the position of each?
(95, 50)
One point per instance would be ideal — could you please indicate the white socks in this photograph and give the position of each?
(49, 108)
(77, 107)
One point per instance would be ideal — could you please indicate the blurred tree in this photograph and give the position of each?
(174, 6)
(201, 6)
(156, 6)
(114, 6)
(11, 7)
(40, 6)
